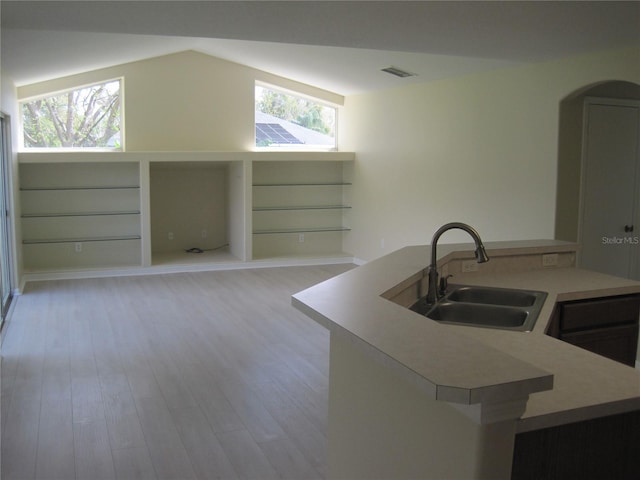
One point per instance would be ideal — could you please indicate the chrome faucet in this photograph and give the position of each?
(435, 291)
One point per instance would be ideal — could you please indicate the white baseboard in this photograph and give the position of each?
(182, 268)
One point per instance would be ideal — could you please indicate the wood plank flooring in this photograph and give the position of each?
(182, 376)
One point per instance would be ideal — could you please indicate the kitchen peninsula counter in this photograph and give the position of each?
(586, 385)
(468, 365)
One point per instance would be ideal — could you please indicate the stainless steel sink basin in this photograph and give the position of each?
(504, 308)
(478, 314)
(494, 296)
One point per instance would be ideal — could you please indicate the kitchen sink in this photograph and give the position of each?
(475, 314)
(504, 308)
(494, 296)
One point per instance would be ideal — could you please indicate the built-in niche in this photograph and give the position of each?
(190, 210)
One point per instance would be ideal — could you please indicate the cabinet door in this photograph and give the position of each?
(610, 177)
(617, 343)
(598, 313)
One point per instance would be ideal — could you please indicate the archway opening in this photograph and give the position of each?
(570, 140)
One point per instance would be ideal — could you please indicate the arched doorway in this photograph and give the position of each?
(591, 208)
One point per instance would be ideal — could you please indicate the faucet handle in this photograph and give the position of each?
(444, 283)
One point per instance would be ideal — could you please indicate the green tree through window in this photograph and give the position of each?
(88, 117)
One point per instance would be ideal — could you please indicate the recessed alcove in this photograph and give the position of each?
(190, 212)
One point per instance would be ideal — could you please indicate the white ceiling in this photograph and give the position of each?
(340, 46)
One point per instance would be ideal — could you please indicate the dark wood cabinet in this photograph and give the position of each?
(607, 326)
(605, 448)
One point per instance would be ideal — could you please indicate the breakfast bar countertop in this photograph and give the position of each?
(468, 365)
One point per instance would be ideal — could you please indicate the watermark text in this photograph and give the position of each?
(621, 240)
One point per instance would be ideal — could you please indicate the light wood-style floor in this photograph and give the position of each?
(181, 376)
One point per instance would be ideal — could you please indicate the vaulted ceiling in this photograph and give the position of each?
(337, 45)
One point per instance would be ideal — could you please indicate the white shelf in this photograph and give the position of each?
(79, 239)
(300, 207)
(63, 189)
(78, 214)
(180, 156)
(301, 230)
(310, 184)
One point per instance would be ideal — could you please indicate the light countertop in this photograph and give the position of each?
(470, 365)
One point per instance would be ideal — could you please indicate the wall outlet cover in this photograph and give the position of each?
(469, 266)
(550, 260)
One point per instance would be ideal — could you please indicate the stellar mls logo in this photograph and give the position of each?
(620, 240)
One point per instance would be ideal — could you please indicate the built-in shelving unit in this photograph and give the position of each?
(98, 210)
(80, 215)
(299, 208)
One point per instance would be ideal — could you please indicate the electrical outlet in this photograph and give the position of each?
(550, 260)
(301, 238)
(170, 235)
(469, 266)
(203, 234)
(382, 243)
(78, 247)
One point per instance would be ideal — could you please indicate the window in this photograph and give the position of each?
(6, 285)
(290, 121)
(87, 117)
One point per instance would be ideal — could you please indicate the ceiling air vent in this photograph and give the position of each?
(398, 72)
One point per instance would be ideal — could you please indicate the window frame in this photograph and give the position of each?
(54, 93)
(296, 147)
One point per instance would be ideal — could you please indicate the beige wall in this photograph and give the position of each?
(184, 102)
(481, 149)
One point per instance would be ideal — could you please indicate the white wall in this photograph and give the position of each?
(480, 149)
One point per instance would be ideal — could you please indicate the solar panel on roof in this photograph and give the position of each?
(274, 133)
